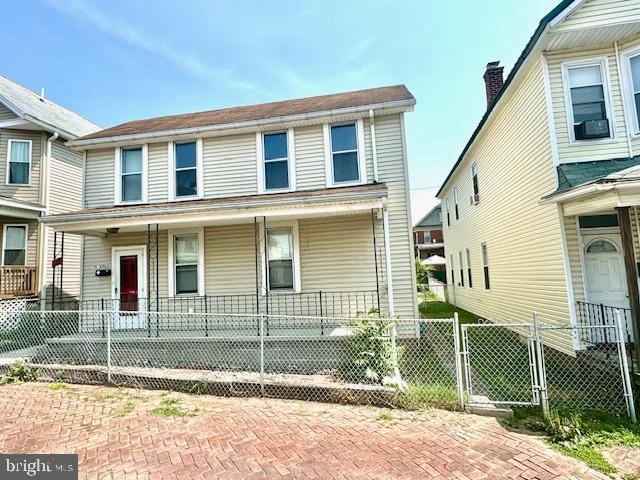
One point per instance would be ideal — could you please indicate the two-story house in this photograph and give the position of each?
(427, 235)
(261, 208)
(546, 191)
(39, 175)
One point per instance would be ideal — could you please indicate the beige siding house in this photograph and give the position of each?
(545, 186)
(38, 175)
(265, 208)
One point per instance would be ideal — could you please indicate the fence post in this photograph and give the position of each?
(458, 360)
(626, 380)
(262, 354)
(540, 366)
(108, 347)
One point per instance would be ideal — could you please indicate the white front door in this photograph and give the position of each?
(129, 288)
(605, 273)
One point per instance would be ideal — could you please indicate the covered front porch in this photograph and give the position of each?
(321, 256)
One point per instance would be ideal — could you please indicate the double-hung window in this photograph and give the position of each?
(587, 98)
(186, 254)
(131, 174)
(453, 276)
(280, 259)
(345, 157)
(186, 169)
(447, 211)
(455, 203)
(276, 161)
(461, 268)
(469, 268)
(485, 266)
(19, 162)
(14, 245)
(631, 63)
(474, 181)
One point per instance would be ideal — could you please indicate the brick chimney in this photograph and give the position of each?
(493, 81)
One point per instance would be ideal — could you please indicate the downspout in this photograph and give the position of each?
(374, 150)
(625, 113)
(42, 238)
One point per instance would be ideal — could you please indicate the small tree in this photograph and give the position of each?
(422, 272)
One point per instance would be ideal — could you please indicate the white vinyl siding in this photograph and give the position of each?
(158, 173)
(513, 154)
(598, 13)
(230, 166)
(6, 114)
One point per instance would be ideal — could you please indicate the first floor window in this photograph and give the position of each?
(453, 276)
(280, 258)
(15, 245)
(344, 153)
(186, 155)
(485, 266)
(469, 268)
(19, 156)
(186, 264)
(461, 268)
(276, 161)
(131, 175)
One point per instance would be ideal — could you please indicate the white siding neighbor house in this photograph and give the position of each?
(548, 186)
(263, 208)
(39, 175)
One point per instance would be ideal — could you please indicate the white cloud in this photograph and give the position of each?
(421, 202)
(134, 36)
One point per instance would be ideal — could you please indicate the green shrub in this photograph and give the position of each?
(370, 350)
(19, 371)
(564, 428)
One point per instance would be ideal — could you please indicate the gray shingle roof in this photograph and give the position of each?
(431, 219)
(28, 106)
(571, 175)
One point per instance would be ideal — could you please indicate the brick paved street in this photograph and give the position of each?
(117, 436)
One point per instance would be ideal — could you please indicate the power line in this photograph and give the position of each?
(425, 188)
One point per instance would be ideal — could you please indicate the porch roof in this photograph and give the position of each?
(10, 207)
(324, 201)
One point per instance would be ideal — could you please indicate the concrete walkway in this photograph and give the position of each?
(117, 435)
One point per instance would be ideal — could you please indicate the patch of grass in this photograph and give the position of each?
(125, 410)
(433, 307)
(418, 396)
(631, 476)
(386, 416)
(58, 386)
(170, 407)
(590, 456)
(197, 387)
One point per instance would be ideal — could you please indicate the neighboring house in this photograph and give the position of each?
(177, 209)
(427, 235)
(547, 189)
(39, 175)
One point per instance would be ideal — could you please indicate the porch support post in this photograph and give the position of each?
(387, 258)
(266, 265)
(375, 255)
(256, 243)
(631, 269)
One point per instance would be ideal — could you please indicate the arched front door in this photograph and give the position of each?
(605, 275)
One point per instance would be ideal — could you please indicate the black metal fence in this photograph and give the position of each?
(600, 315)
(317, 303)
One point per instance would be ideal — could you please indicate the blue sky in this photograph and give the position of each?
(121, 60)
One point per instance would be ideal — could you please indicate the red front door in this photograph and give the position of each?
(129, 283)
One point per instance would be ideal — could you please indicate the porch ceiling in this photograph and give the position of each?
(10, 207)
(315, 203)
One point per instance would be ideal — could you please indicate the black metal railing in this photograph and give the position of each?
(600, 315)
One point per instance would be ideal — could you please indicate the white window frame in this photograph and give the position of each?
(291, 161)
(461, 260)
(171, 152)
(295, 231)
(474, 174)
(484, 254)
(10, 143)
(328, 154)
(456, 208)
(118, 172)
(172, 266)
(447, 212)
(627, 88)
(469, 277)
(26, 241)
(603, 63)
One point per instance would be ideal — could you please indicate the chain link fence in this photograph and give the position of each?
(366, 359)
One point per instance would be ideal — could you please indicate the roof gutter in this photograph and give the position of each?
(407, 103)
(589, 189)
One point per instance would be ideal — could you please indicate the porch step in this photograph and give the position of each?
(485, 408)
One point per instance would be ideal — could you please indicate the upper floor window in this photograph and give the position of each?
(455, 203)
(469, 268)
(130, 174)
(474, 180)
(345, 162)
(587, 102)
(485, 266)
(631, 63)
(452, 268)
(186, 169)
(19, 162)
(447, 211)
(276, 161)
(14, 245)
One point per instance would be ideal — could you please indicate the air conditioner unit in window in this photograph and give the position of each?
(474, 199)
(592, 129)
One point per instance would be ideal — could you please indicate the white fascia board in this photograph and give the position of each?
(405, 105)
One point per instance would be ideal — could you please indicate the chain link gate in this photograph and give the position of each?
(500, 364)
